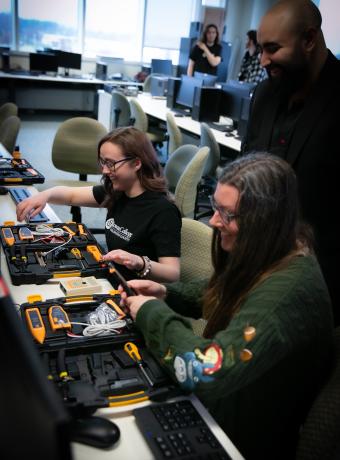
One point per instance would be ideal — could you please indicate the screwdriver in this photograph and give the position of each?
(132, 350)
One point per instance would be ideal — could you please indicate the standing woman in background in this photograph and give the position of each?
(206, 54)
(251, 70)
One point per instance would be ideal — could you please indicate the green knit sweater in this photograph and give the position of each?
(257, 390)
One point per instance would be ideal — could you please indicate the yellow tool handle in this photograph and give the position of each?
(68, 230)
(76, 252)
(132, 350)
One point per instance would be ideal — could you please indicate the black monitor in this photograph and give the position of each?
(208, 79)
(161, 66)
(33, 420)
(68, 60)
(233, 93)
(186, 92)
(43, 62)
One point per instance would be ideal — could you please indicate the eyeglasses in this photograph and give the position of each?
(111, 164)
(225, 215)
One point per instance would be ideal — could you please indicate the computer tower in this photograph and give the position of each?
(159, 86)
(101, 70)
(195, 29)
(173, 87)
(206, 105)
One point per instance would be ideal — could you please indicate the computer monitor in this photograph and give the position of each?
(208, 79)
(161, 66)
(244, 116)
(186, 92)
(4, 55)
(232, 94)
(43, 62)
(68, 60)
(33, 419)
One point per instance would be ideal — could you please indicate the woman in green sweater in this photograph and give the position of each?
(264, 348)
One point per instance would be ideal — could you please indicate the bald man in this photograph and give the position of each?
(295, 115)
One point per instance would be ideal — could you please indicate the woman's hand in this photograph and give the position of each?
(202, 46)
(148, 288)
(130, 261)
(31, 206)
(134, 303)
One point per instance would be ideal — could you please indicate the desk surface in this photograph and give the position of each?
(89, 79)
(131, 440)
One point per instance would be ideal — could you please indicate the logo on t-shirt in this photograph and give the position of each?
(121, 232)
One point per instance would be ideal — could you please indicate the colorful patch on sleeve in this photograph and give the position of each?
(194, 367)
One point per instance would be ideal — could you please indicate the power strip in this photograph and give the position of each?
(79, 286)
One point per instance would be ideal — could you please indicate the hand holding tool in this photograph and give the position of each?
(132, 350)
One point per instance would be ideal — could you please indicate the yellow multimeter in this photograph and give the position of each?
(8, 236)
(35, 324)
(25, 233)
(58, 318)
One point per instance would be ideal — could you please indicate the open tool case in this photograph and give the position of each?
(33, 259)
(93, 372)
(19, 171)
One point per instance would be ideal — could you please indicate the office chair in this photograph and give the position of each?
(9, 130)
(186, 188)
(8, 109)
(196, 240)
(177, 163)
(147, 82)
(210, 172)
(74, 150)
(120, 109)
(156, 135)
(175, 137)
(320, 434)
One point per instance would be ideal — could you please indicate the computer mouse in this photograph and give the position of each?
(94, 431)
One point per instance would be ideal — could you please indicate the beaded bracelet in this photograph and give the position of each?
(146, 269)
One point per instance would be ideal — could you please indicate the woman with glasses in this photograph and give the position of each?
(254, 341)
(142, 226)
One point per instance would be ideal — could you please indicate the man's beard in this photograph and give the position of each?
(290, 79)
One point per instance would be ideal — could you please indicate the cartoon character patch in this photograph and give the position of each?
(194, 367)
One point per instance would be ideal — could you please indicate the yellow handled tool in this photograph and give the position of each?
(132, 350)
(35, 324)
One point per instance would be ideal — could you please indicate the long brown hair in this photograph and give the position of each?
(134, 143)
(204, 35)
(269, 232)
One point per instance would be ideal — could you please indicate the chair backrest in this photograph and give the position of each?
(147, 82)
(177, 163)
(139, 116)
(196, 240)
(120, 107)
(186, 189)
(208, 140)
(75, 145)
(320, 435)
(9, 130)
(8, 109)
(174, 133)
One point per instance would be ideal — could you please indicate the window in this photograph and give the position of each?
(166, 23)
(48, 24)
(6, 37)
(114, 28)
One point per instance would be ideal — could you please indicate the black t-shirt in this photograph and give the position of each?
(147, 225)
(201, 62)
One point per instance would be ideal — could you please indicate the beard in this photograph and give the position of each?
(290, 77)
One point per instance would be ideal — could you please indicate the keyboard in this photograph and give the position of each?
(177, 430)
(19, 194)
(220, 127)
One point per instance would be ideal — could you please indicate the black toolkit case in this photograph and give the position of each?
(19, 171)
(28, 265)
(96, 372)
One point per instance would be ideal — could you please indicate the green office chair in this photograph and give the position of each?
(74, 150)
(8, 109)
(175, 137)
(186, 188)
(9, 130)
(211, 172)
(156, 136)
(196, 239)
(121, 114)
(177, 163)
